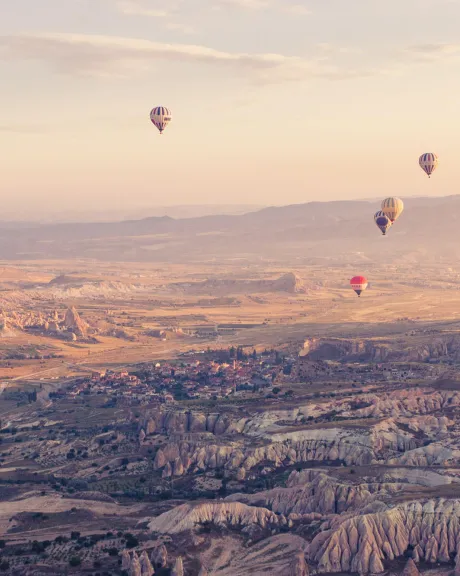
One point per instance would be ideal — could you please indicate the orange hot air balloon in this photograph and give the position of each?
(359, 284)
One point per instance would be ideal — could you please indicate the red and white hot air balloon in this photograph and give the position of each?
(358, 283)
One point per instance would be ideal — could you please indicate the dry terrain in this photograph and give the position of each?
(229, 410)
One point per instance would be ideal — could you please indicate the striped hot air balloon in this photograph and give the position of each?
(428, 162)
(358, 283)
(160, 117)
(382, 221)
(392, 208)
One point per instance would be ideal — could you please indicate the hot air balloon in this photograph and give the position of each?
(358, 283)
(428, 163)
(392, 208)
(382, 221)
(160, 117)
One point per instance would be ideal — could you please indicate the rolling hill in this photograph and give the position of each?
(316, 232)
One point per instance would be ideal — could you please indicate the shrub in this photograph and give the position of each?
(131, 541)
(75, 561)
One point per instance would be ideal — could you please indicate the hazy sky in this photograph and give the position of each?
(273, 101)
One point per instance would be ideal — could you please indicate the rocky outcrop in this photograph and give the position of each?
(339, 349)
(288, 282)
(362, 543)
(125, 560)
(427, 347)
(188, 517)
(135, 566)
(159, 556)
(298, 566)
(410, 569)
(398, 404)
(178, 568)
(383, 442)
(309, 491)
(73, 323)
(406, 403)
(279, 555)
(176, 422)
(146, 565)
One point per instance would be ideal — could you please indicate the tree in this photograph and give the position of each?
(254, 354)
(75, 561)
(276, 390)
(223, 489)
(131, 541)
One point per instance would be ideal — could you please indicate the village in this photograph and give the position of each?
(234, 373)
(209, 376)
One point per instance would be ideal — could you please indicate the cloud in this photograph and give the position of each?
(136, 8)
(131, 8)
(178, 27)
(22, 129)
(246, 4)
(430, 52)
(297, 9)
(111, 55)
(279, 5)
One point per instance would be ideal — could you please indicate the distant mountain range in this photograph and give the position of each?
(181, 211)
(317, 232)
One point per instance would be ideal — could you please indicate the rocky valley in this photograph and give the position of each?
(227, 421)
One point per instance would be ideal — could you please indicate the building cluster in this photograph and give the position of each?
(205, 377)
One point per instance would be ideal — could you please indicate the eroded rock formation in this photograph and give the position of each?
(362, 543)
(188, 517)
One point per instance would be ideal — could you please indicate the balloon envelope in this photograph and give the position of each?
(392, 208)
(160, 117)
(382, 221)
(358, 283)
(428, 162)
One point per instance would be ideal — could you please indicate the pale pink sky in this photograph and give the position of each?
(273, 101)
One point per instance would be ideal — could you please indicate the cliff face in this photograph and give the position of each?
(380, 350)
(312, 492)
(361, 544)
(288, 282)
(383, 442)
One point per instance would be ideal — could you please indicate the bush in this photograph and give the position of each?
(131, 541)
(75, 561)
(4, 566)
